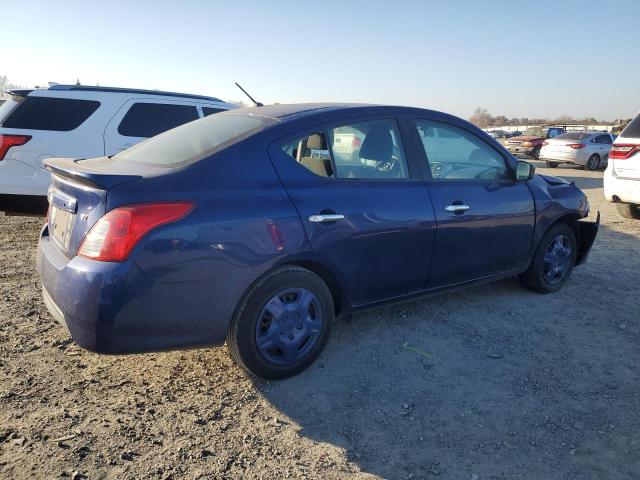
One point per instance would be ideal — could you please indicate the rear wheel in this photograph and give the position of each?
(552, 164)
(553, 260)
(629, 210)
(594, 162)
(282, 324)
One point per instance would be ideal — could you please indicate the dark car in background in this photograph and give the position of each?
(252, 227)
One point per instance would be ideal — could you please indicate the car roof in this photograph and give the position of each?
(137, 91)
(284, 112)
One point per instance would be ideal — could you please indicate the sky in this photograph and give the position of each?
(516, 58)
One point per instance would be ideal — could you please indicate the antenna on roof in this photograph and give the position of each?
(257, 104)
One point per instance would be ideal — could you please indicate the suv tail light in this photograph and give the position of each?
(8, 141)
(113, 237)
(356, 142)
(623, 151)
(576, 146)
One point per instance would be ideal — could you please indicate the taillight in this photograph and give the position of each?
(576, 146)
(545, 143)
(113, 237)
(8, 141)
(356, 142)
(623, 151)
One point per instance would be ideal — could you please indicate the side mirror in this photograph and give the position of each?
(525, 171)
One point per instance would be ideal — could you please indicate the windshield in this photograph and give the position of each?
(574, 136)
(633, 129)
(195, 140)
(534, 132)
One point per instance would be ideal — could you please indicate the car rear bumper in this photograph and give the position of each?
(23, 204)
(115, 308)
(616, 189)
(576, 157)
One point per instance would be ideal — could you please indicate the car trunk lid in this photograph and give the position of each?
(78, 195)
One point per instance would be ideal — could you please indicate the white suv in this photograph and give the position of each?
(622, 176)
(80, 122)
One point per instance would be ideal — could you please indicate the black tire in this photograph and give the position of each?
(535, 153)
(593, 163)
(534, 277)
(552, 164)
(629, 210)
(241, 339)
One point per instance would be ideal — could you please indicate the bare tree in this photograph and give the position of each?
(481, 117)
(3, 83)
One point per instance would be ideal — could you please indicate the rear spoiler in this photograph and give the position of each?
(80, 171)
(19, 93)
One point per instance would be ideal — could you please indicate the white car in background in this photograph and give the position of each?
(589, 150)
(80, 122)
(622, 176)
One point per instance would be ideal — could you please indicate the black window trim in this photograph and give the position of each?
(426, 168)
(413, 175)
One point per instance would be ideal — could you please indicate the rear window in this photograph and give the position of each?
(46, 113)
(210, 111)
(633, 129)
(195, 140)
(574, 136)
(150, 119)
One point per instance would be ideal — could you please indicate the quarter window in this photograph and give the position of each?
(47, 113)
(150, 119)
(360, 150)
(455, 154)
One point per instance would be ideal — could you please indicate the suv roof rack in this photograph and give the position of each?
(88, 88)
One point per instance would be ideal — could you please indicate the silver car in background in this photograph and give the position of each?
(587, 149)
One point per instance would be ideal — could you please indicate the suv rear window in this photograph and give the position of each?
(633, 129)
(150, 119)
(47, 113)
(196, 140)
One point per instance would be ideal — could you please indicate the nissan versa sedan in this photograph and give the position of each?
(254, 228)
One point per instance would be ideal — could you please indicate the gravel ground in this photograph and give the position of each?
(516, 385)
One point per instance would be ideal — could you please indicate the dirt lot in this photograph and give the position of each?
(518, 385)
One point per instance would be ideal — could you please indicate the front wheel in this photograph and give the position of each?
(552, 164)
(282, 324)
(628, 210)
(553, 260)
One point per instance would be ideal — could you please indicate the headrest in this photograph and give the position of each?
(378, 144)
(316, 142)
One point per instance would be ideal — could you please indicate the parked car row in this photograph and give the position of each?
(80, 122)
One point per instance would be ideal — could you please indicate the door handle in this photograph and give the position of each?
(457, 208)
(326, 217)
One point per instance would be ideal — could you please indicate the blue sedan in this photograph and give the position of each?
(259, 226)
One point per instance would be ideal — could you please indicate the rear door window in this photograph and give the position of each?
(363, 150)
(150, 119)
(47, 113)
